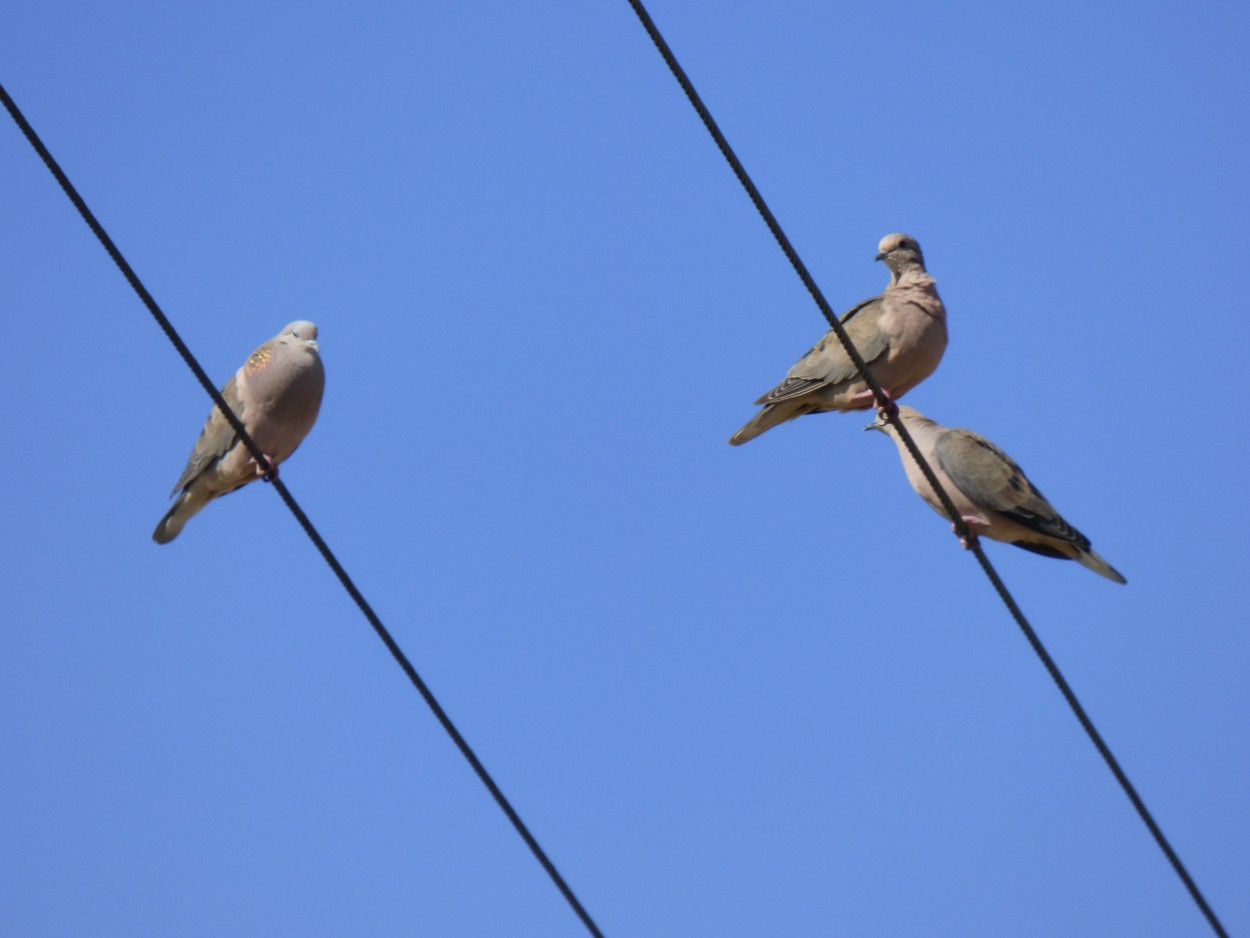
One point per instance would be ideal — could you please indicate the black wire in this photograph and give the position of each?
(261, 459)
(960, 527)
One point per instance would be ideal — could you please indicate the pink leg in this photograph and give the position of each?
(269, 470)
(971, 538)
(889, 410)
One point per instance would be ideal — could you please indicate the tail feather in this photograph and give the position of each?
(171, 525)
(1088, 558)
(765, 420)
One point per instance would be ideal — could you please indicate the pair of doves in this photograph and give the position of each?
(901, 335)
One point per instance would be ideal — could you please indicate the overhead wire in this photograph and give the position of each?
(959, 526)
(261, 459)
(792, 255)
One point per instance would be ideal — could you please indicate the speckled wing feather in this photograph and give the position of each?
(216, 438)
(827, 362)
(991, 479)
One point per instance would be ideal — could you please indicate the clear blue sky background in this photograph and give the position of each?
(734, 692)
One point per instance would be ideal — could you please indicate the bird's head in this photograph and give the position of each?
(304, 331)
(899, 251)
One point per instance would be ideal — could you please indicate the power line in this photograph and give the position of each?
(261, 460)
(960, 527)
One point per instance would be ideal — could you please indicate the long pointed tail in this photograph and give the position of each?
(766, 419)
(171, 525)
(1099, 566)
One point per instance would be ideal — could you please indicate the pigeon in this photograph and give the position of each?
(276, 395)
(900, 334)
(993, 495)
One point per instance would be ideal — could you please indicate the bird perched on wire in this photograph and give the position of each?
(900, 334)
(276, 395)
(993, 495)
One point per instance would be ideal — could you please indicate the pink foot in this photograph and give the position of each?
(269, 470)
(888, 410)
(969, 539)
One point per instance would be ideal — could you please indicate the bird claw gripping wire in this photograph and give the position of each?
(964, 533)
(886, 407)
(888, 410)
(268, 469)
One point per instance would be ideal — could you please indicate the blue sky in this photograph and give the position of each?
(734, 692)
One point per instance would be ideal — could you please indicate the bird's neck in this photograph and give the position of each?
(913, 278)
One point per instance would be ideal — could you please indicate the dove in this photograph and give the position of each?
(276, 395)
(900, 334)
(993, 495)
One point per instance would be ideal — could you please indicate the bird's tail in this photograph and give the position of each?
(171, 525)
(766, 419)
(1087, 558)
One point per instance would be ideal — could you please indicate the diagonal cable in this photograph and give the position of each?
(961, 528)
(261, 459)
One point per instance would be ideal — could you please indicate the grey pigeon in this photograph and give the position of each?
(993, 495)
(901, 334)
(276, 395)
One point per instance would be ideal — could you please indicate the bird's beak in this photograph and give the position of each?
(880, 257)
(877, 424)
